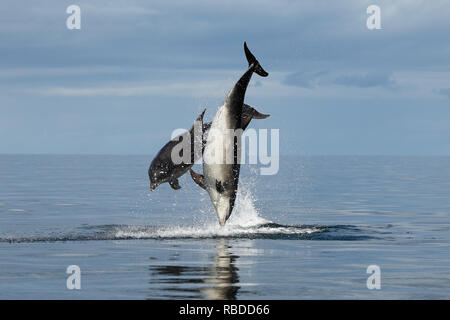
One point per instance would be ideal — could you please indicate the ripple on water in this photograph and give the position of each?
(264, 231)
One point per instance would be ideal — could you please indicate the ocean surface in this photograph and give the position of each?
(309, 232)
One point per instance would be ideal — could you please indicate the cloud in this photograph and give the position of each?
(366, 80)
(183, 53)
(198, 89)
(304, 79)
(350, 79)
(188, 33)
(444, 92)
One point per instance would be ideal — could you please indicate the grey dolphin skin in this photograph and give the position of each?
(220, 177)
(162, 169)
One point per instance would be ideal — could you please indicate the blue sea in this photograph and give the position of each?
(308, 232)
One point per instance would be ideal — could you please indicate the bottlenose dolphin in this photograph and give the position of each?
(163, 169)
(220, 175)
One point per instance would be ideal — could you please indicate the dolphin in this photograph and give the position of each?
(220, 175)
(163, 169)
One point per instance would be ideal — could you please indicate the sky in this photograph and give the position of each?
(137, 70)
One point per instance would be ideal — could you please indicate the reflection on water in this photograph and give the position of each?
(224, 275)
(216, 281)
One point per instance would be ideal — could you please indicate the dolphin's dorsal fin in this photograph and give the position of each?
(198, 178)
(174, 184)
(200, 117)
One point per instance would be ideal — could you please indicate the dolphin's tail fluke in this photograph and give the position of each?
(252, 61)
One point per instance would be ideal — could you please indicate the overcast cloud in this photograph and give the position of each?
(139, 69)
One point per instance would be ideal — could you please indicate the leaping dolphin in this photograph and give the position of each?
(163, 169)
(220, 177)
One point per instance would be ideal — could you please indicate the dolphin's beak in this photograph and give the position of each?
(222, 221)
(153, 186)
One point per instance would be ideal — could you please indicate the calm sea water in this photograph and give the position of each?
(309, 232)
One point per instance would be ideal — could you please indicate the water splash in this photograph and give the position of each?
(245, 213)
(245, 222)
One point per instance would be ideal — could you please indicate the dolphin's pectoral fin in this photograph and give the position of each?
(174, 184)
(198, 178)
(258, 115)
(249, 113)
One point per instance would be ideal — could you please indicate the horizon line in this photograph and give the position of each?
(282, 155)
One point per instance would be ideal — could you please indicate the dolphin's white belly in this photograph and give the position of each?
(219, 145)
(217, 167)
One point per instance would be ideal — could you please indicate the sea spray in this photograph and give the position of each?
(245, 213)
(244, 222)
